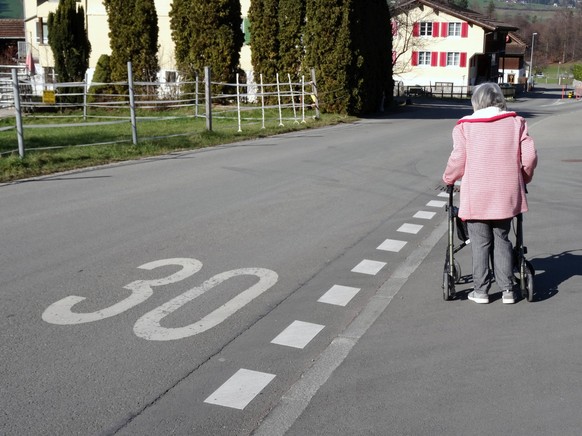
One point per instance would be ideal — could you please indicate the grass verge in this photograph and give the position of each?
(56, 146)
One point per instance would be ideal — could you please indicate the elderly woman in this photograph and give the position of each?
(495, 157)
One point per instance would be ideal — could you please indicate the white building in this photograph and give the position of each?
(438, 44)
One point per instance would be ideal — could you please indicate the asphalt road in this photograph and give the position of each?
(287, 285)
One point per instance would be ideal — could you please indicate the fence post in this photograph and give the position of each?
(132, 103)
(279, 101)
(303, 99)
(292, 99)
(314, 88)
(238, 102)
(208, 97)
(85, 91)
(18, 110)
(262, 100)
(196, 97)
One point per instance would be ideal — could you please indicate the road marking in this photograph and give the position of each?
(293, 403)
(60, 312)
(424, 215)
(410, 228)
(370, 267)
(240, 389)
(149, 326)
(298, 334)
(391, 245)
(444, 194)
(339, 295)
(436, 203)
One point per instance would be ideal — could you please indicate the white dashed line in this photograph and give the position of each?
(298, 334)
(391, 245)
(444, 194)
(436, 203)
(424, 215)
(410, 228)
(240, 389)
(370, 267)
(339, 295)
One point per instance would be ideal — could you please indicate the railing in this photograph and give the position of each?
(449, 91)
(283, 100)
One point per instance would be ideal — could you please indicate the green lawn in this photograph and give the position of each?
(557, 73)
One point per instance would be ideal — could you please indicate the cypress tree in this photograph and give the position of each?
(207, 33)
(133, 36)
(328, 50)
(349, 43)
(69, 41)
(372, 44)
(264, 27)
(102, 74)
(291, 21)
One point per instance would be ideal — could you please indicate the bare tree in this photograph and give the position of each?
(404, 39)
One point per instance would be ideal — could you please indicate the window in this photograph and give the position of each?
(171, 76)
(453, 59)
(454, 29)
(424, 58)
(49, 75)
(426, 29)
(41, 32)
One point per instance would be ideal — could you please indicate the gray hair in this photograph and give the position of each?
(487, 95)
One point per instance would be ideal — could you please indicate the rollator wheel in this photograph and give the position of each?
(529, 281)
(457, 271)
(526, 280)
(448, 284)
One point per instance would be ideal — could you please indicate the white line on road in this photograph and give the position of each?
(240, 389)
(391, 245)
(370, 267)
(297, 398)
(436, 203)
(424, 215)
(339, 295)
(410, 228)
(298, 334)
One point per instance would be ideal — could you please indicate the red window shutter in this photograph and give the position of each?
(416, 29)
(435, 29)
(463, 59)
(464, 30)
(444, 30)
(434, 59)
(443, 59)
(414, 58)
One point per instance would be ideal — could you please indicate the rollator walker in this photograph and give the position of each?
(523, 269)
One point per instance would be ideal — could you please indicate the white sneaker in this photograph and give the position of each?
(508, 297)
(479, 297)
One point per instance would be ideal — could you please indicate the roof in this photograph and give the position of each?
(11, 29)
(472, 17)
(515, 45)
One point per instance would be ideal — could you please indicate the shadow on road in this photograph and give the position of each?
(554, 270)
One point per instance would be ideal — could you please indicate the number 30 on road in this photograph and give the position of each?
(148, 326)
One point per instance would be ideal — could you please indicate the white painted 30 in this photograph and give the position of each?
(148, 326)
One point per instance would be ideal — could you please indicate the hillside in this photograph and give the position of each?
(508, 10)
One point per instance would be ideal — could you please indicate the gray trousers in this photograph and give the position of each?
(491, 237)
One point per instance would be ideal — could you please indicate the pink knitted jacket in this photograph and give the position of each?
(495, 157)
